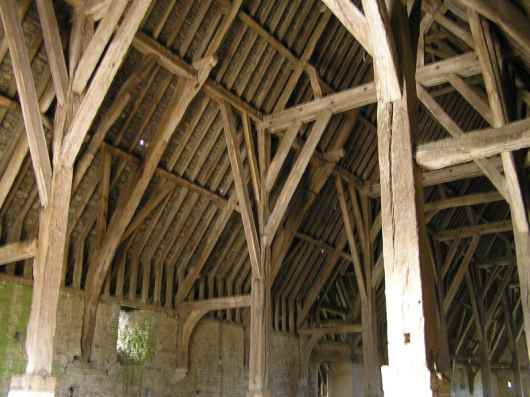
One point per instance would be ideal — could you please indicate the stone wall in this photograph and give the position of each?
(217, 366)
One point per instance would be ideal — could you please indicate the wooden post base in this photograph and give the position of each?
(32, 386)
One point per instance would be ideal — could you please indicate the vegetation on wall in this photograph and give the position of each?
(15, 306)
(135, 343)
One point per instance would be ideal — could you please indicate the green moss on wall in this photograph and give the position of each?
(15, 307)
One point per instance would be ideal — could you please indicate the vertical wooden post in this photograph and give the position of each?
(367, 292)
(260, 298)
(487, 50)
(259, 252)
(479, 314)
(48, 271)
(512, 343)
(400, 207)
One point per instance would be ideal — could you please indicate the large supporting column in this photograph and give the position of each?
(408, 367)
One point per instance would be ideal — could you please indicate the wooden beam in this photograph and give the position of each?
(460, 274)
(510, 19)
(175, 65)
(252, 159)
(401, 207)
(18, 251)
(474, 145)
(93, 52)
(102, 80)
(475, 230)
(193, 274)
(348, 227)
(54, 48)
(132, 198)
(384, 49)
(487, 49)
(190, 314)
(48, 274)
(247, 215)
(286, 143)
(209, 305)
(454, 130)
(488, 388)
(28, 99)
(295, 175)
(352, 19)
(475, 99)
(463, 201)
(466, 65)
(446, 175)
(332, 330)
(17, 156)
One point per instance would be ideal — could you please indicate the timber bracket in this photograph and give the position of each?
(189, 314)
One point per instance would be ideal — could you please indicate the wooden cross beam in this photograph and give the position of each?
(454, 130)
(475, 230)
(430, 75)
(14, 252)
(474, 145)
(332, 330)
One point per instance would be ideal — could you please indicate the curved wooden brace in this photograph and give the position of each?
(309, 338)
(190, 314)
(306, 345)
